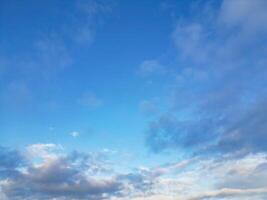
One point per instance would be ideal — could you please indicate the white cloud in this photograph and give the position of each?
(74, 134)
(43, 151)
(231, 193)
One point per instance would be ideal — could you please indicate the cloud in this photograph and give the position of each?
(10, 159)
(169, 132)
(150, 67)
(50, 51)
(203, 178)
(247, 132)
(93, 7)
(49, 173)
(245, 14)
(58, 178)
(92, 12)
(74, 134)
(226, 193)
(45, 171)
(44, 151)
(217, 98)
(53, 174)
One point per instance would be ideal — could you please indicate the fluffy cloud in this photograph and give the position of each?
(58, 175)
(49, 174)
(45, 171)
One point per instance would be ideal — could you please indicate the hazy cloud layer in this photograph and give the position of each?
(217, 102)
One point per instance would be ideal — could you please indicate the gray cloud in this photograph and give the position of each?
(55, 177)
(248, 132)
(43, 171)
(10, 159)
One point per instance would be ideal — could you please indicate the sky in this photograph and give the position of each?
(133, 100)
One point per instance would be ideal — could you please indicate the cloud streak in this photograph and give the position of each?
(213, 104)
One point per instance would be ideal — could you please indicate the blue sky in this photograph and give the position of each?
(133, 100)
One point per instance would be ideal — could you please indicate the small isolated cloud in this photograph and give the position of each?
(74, 134)
(90, 100)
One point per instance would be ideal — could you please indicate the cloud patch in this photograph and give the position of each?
(217, 100)
(53, 174)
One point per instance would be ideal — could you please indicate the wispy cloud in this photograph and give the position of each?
(90, 100)
(213, 101)
(150, 67)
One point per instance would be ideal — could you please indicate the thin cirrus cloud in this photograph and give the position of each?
(224, 114)
(50, 54)
(150, 68)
